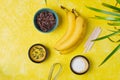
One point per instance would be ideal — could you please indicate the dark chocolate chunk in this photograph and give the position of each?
(46, 21)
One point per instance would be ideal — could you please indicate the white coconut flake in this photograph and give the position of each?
(79, 65)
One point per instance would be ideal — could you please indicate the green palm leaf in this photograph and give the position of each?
(107, 18)
(103, 11)
(110, 6)
(107, 36)
(113, 40)
(114, 24)
(110, 55)
(118, 1)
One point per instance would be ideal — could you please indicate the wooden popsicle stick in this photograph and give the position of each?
(94, 35)
(91, 42)
(89, 39)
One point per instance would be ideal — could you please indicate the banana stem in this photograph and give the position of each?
(75, 12)
(64, 8)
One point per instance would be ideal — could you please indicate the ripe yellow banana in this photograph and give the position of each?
(75, 37)
(71, 27)
(69, 50)
(76, 45)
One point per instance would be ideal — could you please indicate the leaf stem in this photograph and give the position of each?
(46, 2)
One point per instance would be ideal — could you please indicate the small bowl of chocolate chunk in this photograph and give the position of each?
(46, 20)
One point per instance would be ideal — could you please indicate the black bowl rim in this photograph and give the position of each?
(84, 58)
(39, 45)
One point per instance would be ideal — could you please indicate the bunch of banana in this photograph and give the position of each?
(74, 35)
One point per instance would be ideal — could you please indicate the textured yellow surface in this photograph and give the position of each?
(17, 34)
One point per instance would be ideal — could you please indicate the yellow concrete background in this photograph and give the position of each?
(17, 34)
